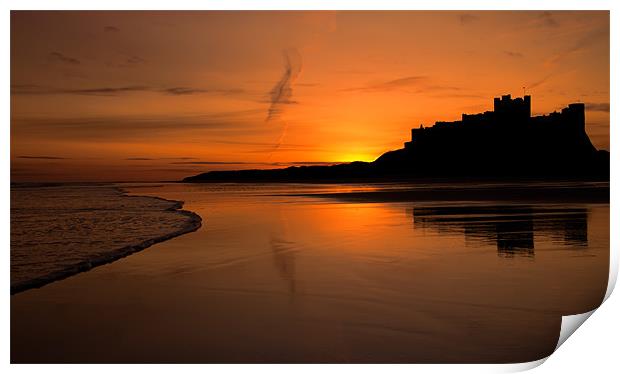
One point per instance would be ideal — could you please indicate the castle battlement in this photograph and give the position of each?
(517, 107)
(510, 116)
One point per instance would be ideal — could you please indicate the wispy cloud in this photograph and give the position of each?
(547, 19)
(391, 85)
(192, 91)
(183, 91)
(412, 84)
(107, 91)
(540, 81)
(262, 144)
(467, 18)
(597, 107)
(513, 54)
(282, 92)
(134, 60)
(457, 95)
(59, 57)
(158, 158)
(43, 157)
(30, 89)
(178, 158)
(129, 128)
(309, 163)
(126, 61)
(212, 163)
(292, 163)
(580, 45)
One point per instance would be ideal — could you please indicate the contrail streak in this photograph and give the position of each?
(282, 92)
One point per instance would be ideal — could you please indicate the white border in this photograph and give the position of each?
(594, 346)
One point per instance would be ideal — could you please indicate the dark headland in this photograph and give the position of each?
(507, 143)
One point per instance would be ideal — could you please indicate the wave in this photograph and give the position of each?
(24, 255)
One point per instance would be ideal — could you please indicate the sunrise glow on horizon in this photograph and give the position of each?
(138, 96)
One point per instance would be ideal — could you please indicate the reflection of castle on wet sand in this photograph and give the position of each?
(511, 228)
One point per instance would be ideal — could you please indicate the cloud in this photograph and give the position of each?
(126, 61)
(412, 84)
(597, 107)
(282, 92)
(111, 29)
(391, 84)
(43, 157)
(262, 144)
(158, 158)
(539, 82)
(309, 163)
(174, 170)
(178, 158)
(107, 91)
(513, 54)
(191, 91)
(31, 89)
(182, 91)
(547, 19)
(580, 45)
(293, 163)
(213, 163)
(59, 57)
(135, 60)
(467, 18)
(460, 95)
(129, 128)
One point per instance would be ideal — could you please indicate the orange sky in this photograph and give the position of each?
(163, 95)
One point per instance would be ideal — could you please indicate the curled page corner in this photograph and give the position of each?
(524, 366)
(570, 324)
(614, 260)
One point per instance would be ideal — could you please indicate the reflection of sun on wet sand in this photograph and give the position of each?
(523, 192)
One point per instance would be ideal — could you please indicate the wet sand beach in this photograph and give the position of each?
(283, 273)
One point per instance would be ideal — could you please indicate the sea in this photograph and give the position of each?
(293, 273)
(58, 230)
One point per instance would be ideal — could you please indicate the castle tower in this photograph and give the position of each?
(527, 102)
(575, 114)
(513, 110)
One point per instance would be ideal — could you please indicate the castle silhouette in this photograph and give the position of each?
(507, 142)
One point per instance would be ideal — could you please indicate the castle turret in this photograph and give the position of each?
(527, 101)
(575, 115)
(508, 109)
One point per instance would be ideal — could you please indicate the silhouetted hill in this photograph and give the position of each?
(504, 143)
